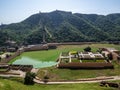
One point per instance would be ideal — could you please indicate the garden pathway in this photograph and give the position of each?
(86, 80)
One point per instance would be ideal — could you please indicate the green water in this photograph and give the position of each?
(36, 63)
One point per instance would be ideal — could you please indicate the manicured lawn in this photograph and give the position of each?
(6, 84)
(88, 61)
(75, 60)
(93, 61)
(100, 60)
(68, 74)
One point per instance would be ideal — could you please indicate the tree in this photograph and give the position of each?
(3, 37)
(46, 79)
(7, 55)
(110, 56)
(0, 58)
(28, 80)
(16, 48)
(107, 59)
(87, 49)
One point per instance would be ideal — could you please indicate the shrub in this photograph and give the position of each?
(110, 56)
(46, 79)
(87, 49)
(28, 80)
(7, 55)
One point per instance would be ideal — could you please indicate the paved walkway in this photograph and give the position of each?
(35, 70)
(86, 80)
(13, 73)
(19, 73)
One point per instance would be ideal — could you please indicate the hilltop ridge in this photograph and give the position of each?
(63, 26)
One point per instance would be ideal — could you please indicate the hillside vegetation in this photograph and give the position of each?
(61, 26)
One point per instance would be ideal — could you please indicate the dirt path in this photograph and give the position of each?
(86, 80)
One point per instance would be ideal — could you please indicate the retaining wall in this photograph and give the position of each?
(90, 65)
(25, 49)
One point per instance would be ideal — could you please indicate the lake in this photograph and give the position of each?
(24, 60)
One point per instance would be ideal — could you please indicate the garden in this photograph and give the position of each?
(55, 73)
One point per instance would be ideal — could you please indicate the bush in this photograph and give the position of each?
(52, 47)
(28, 80)
(7, 55)
(16, 48)
(87, 49)
(110, 56)
(45, 79)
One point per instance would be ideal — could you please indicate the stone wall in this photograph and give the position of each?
(90, 65)
(24, 49)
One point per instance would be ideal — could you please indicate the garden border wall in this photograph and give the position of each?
(88, 65)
